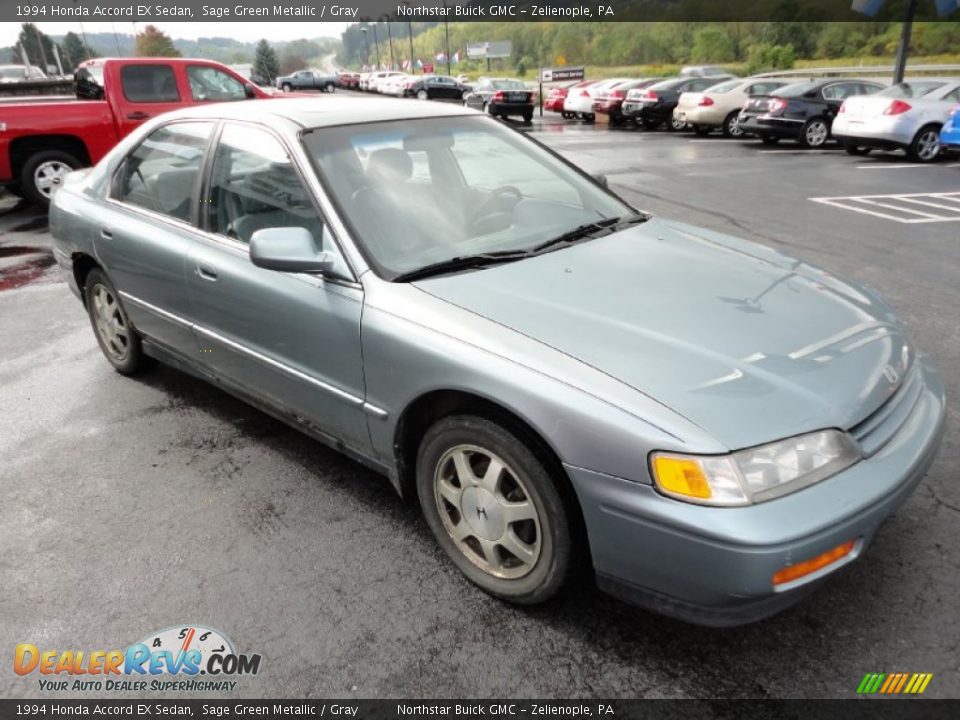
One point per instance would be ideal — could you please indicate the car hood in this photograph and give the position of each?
(749, 344)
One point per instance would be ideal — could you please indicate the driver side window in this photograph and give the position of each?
(255, 186)
(208, 84)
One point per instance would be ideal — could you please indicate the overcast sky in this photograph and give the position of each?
(244, 31)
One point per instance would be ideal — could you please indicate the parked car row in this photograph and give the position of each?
(917, 116)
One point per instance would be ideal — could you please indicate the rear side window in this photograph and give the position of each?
(841, 91)
(162, 173)
(208, 84)
(149, 83)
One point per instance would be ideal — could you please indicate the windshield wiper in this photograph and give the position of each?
(462, 262)
(591, 229)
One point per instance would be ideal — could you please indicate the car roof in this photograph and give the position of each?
(309, 112)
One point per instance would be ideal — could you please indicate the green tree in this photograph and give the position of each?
(712, 45)
(37, 46)
(764, 56)
(74, 52)
(266, 66)
(155, 43)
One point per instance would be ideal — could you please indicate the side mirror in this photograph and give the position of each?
(249, 91)
(601, 180)
(288, 249)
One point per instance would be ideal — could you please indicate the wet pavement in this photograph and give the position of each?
(135, 505)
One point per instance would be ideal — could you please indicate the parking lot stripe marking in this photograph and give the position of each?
(894, 207)
(893, 167)
(858, 203)
(931, 204)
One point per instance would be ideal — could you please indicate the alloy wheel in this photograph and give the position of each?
(111, 323)
(49, 176)
(733, 126)
(487, 511)
(928, 145)
(677, 124)
(816, 133)
(421, 95)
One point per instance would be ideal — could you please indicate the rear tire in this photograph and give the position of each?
(286, 87)
(650, 124)
(674, 125)
(853, 149)
(925, 147)
(769, 139)
(423, 95)
(118, 341)
(509, 530)
(43, 173)
(330, 87)
(528, 117)
(701, 130)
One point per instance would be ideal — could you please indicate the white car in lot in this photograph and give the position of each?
(720, 105)
(393, 85)
(907, 116)
(379, 79)
(579, 102)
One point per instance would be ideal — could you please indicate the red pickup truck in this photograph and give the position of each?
(42, 139)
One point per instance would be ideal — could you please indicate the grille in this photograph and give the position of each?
(880, 427)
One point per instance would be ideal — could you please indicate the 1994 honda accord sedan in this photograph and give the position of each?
(564, 382)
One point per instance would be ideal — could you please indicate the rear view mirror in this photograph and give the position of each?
(601, 180)
(288, 249)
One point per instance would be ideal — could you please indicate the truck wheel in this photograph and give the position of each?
(43, 174)
(330, 87)
(286, 87)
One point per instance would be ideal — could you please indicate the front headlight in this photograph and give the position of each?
(755, 474)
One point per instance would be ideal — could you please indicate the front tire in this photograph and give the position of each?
(286, 87)
(701, 130)
(423, 95)
(731, 125)
(815, 133)
(769, 139)
(853, 149)
(330, 87)
(925, 147)
(494, 510)
(43, 174)
(118, 341)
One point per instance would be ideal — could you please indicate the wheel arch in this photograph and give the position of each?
(23, 148)
(82, 265)
(425, 410)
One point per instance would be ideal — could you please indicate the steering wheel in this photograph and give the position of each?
(493, 204)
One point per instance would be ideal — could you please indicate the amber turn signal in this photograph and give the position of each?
(808, 567)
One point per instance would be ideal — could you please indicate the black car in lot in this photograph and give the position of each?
(654, 105)
(803, 111)
(501, 97)
(435, 87)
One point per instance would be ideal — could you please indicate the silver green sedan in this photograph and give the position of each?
(567, 385)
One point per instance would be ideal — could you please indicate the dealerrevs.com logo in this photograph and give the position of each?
(186, 658)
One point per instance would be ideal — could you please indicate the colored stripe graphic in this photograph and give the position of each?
(894, 683)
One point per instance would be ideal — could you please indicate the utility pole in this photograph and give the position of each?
(393, 64)
(376, 44)
(903, 50)
(366, 43)
(446, 31)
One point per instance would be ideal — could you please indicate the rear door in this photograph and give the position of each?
(145, 90)
(290, 339)
(147, 230)
(211, 84)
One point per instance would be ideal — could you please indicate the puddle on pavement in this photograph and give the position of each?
(25, 272)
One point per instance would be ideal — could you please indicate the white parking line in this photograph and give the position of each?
(903, 166)
(893, 206)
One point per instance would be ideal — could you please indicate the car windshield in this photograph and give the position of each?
(726, 87)
(796, 90)
(418, 194)
(912, 89)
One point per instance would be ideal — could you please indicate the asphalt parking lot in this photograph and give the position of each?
(135, 505)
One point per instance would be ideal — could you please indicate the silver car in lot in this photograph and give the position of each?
(907, 116)
(563, 382)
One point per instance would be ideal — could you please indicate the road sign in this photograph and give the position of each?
(558, 74)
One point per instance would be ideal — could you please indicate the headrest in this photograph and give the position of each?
(390, 165)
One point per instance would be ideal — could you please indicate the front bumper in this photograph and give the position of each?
(714, 566)
(772, 126)
(950, 136)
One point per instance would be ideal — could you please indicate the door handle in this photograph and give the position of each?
(138, 115)
(207, 272)
(106, 233)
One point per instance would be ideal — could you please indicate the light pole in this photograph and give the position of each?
(366, 43)
(446, 31)
(413, 67)
(376, 44)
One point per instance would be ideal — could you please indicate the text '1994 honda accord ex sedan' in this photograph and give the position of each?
(562, 381)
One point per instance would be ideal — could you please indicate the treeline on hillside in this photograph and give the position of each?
(759, 44)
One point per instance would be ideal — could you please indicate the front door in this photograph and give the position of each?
(290, 339)
(146, 90)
